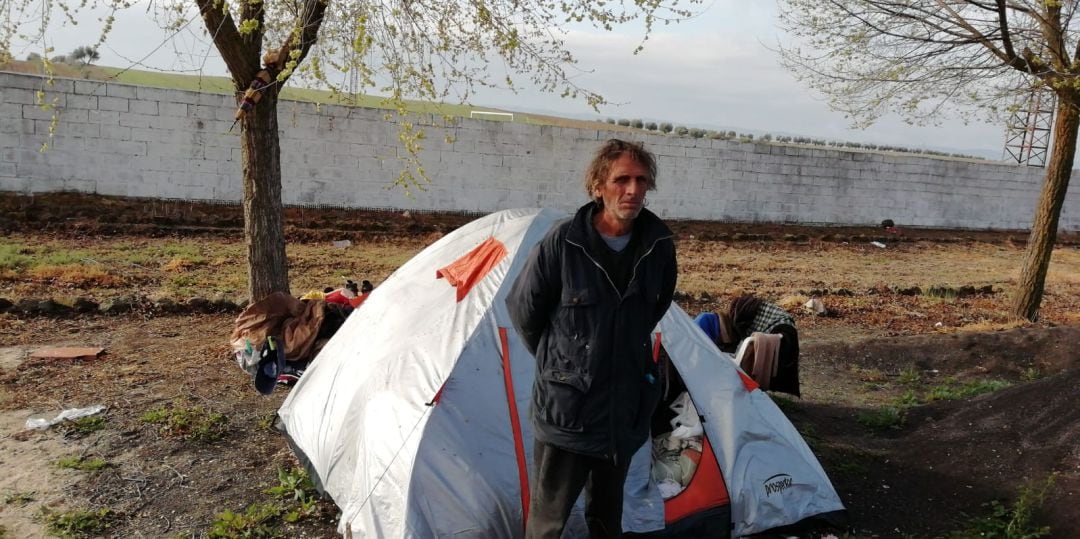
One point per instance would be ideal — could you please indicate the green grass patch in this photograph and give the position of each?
(295, 498)
(13, 257)
(19, 498)
(296, 489)
(909, 376)
(81, 464)
(80, 523)
(1010, 522)
(256, 520)
(266, 422)
(884, 418)
(182, 250)
(907, 399)
(953, 390)
(1030, 374)
(191, 423)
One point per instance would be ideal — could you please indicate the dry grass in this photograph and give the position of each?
(857, 283)
(74, 276)
(180, 265)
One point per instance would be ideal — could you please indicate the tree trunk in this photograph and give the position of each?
(1044, 228)
(264, 233)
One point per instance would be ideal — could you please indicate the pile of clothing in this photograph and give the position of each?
(350, 296)
(275, 338)
(676, 454)
(764, 339)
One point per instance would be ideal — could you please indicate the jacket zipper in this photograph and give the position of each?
(611, 373)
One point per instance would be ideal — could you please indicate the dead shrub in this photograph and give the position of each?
(76, 275)
(180, 264)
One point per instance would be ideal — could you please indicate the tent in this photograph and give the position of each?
(414, 417)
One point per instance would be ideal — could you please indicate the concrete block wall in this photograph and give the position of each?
(124, 140)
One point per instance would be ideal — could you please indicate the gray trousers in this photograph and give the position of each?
(560, 476)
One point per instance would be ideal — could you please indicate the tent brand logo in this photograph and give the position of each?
(777, 484)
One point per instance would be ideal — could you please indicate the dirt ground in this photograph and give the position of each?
(883, 342)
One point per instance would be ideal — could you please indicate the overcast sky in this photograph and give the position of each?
(716, 70)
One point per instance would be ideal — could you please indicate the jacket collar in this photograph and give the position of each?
(651, 228)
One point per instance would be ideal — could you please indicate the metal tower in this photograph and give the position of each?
(1027, 133)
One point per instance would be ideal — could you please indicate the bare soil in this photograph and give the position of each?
(925, 477)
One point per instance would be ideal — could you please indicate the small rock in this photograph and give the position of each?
(815, 306)
(119, 305)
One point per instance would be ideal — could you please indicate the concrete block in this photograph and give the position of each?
(146, 93)
(87, 130)
(15, 184)
(89, 87)
(214, 99)
(34, 112)
(120, 90)
(74, 101)
(20, 96)
(103, 117)
(166, 108)
(115, 132)
(9, 112)
(138, 120)
(142, 107)
(23, 81)
(80, 185)
(116, 147)
(112, 103)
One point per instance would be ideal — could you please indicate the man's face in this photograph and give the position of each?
(623, 192)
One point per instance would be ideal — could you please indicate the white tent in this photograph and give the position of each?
(414, 417)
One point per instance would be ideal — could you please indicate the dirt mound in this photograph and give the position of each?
(1016, 436)
(1003, 354)
(949, 458)
(103, 215)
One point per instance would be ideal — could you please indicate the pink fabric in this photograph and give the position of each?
(762, 357)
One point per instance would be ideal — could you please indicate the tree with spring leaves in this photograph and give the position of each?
(420, 49)
(914, 57)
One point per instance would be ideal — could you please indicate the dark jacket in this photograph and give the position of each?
(596, 383)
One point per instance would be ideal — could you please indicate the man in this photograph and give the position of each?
(585, 304)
